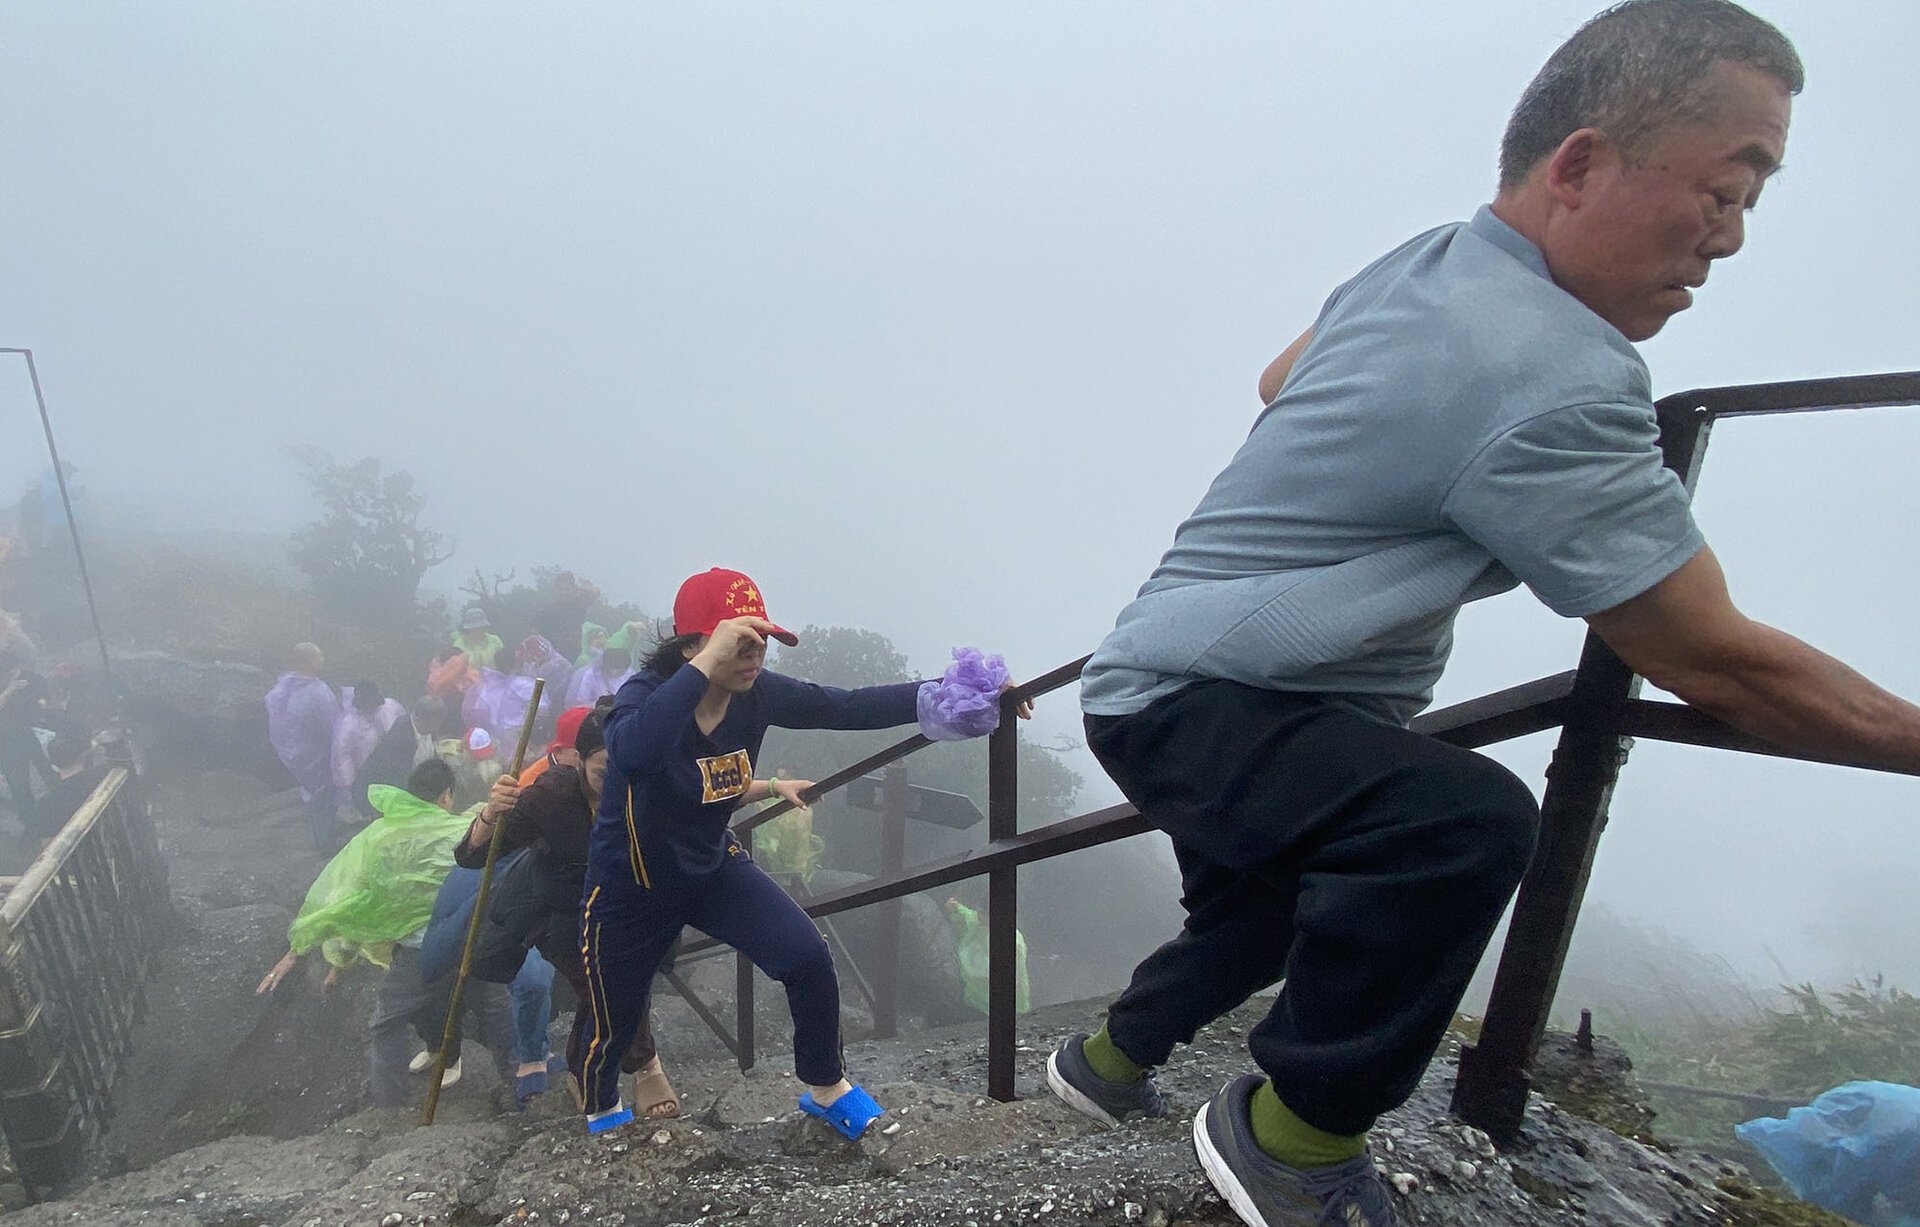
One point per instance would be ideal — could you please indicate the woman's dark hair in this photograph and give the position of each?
(668, 655)
(615, 660)
(431, 780)
(367, 697)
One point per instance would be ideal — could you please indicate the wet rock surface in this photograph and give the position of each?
(943, 1155)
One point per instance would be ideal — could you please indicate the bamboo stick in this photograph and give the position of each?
(473, 925)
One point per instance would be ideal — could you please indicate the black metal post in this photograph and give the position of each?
(743, 987)
(894, 800)
(1003, 902)
(1491, 1090)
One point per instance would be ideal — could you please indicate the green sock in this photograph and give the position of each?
(1293, 1141)
(1109, 1062)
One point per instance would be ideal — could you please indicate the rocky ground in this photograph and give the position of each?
(945, 1156)
(278, 1084)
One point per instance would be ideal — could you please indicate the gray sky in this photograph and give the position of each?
(935, 319)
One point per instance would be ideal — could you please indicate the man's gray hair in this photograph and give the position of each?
(1637, 71)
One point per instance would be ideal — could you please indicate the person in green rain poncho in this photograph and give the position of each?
(593, 641)
(371, 904)
(634, 638)
(970, 932)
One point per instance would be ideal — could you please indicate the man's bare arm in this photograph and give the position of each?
(1685, 636)
(1275, 376)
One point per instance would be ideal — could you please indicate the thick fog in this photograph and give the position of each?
(934, 319)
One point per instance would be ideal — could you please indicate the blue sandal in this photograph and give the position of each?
(613, 1118)
(849, 1115)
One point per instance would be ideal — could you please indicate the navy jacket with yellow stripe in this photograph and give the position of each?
(671, 789)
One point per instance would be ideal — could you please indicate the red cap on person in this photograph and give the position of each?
(567, 728)
(708, 599)
(479, 744)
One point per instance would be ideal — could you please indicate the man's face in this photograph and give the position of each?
(1637, 239)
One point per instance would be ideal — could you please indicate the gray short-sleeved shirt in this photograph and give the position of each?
(1457, 425)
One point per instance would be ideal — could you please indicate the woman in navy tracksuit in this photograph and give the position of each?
(681, 743)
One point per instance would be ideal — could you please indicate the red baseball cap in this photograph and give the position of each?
(710, 598)
(567, 728)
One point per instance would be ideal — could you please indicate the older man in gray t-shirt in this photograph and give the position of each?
(1457, 421)
(1466, 414)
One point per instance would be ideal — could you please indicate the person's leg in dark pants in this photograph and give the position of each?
(21, 757)
(1392, 855)
(621, 943)
(566, 961)
(322, 823)
(400, 1002)
(747, 910)
(1234, 943)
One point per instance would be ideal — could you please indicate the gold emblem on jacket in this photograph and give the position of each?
(724, 776)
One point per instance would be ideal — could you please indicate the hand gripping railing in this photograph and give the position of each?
(1596, 706)
(76, 933)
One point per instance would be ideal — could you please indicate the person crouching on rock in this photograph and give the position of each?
(552, 812)
(372, 904)
(681, 740)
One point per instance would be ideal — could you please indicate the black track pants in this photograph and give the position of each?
(1364, 864)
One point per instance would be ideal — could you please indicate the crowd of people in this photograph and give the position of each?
(611, 841)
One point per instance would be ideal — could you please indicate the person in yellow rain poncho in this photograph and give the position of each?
(970, 932)
(371, 904)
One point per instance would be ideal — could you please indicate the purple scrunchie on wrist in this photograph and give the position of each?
(966, 702)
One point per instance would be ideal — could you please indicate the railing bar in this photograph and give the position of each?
(72, 1017)
(706, 1015)
(109, 926)
(1658, 720)
(86, 983)
(1889, 389)
(48, 863)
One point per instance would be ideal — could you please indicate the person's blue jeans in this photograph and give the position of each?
(322, 822)
(532, 1008)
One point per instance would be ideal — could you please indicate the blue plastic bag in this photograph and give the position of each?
(1854, 1151)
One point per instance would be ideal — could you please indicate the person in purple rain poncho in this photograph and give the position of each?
(609, 670)
(365, 717)
(537, 657)
(300, 714)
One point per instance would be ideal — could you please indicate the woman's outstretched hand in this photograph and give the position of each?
(790, 790)
(1025, 710)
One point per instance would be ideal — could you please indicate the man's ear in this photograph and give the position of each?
(446, 801)
(1570, 167)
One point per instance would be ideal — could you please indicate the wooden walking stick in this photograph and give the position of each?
(479, 911)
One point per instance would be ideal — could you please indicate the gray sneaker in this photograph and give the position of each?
(1110, 1103)
(1267, 1193)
